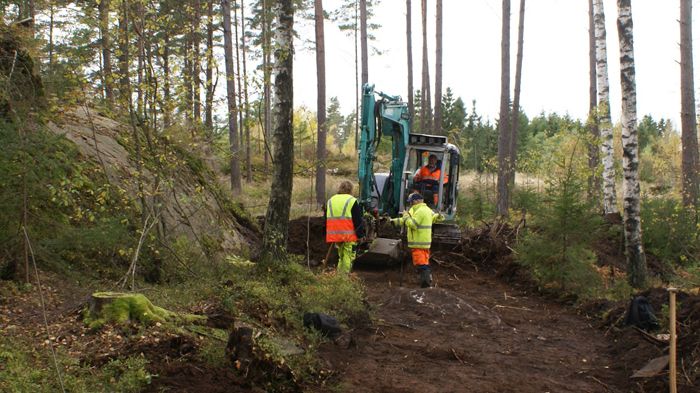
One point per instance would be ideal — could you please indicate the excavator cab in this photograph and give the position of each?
(432, 168)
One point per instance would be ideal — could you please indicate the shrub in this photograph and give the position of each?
(556, 250)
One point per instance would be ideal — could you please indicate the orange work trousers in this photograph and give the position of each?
(420, 256)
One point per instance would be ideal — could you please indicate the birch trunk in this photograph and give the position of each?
(604, 121)
(320, 105)
(409, 55)
(513, 148)
(231, 99)
(426, 107)
(636, 261)
(363, 41)
(277, 217)
(502, 199)
(594, 180)
(688, 117)
(437, 123)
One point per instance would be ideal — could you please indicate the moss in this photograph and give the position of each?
(130, 307)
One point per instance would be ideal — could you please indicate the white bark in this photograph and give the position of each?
(636, 260)
(604, 121)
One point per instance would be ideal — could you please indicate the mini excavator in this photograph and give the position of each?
(384, 194)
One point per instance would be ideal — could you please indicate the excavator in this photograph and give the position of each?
(384, 194)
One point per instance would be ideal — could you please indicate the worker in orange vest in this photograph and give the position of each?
(429, 176)
(344, 225)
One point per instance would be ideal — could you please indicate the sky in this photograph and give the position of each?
(555, 59)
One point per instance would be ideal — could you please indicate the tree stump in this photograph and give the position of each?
(120, 307)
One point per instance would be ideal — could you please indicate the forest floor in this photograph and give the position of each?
(482, 328)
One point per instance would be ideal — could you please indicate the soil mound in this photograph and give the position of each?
(306, 234)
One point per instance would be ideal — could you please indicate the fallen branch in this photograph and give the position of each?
(513, 308)
(455, 355)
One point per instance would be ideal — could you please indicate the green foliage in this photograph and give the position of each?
(24, 370)
(74, 215)
(281, 295)
(557, 249)
(670, 232)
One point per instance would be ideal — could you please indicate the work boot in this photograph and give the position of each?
(426, 279)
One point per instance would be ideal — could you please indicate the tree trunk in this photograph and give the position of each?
(513, 148)
(277, 217)
(594, 180)
(504, 136)
(363, 41)
(636, 260)
(140, 58)
(238, 80)
(357, 82)
(688, 117)
(426, 107)
(124, 88)
(266, 85)
(231, 99)
(167, 103)
(437, 126)
(246, 107)
(409, 55)
(604, 122)
(209, 97)
(196, 63)
(320, 105)
(51, 25)
(187, 79)
(106, 46)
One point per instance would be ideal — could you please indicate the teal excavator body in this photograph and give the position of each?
(384, 193)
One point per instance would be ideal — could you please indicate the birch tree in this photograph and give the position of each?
(502, 199)
(688, 118)
(437, 123)
(106, 46)
(604, 121)
(426, 107)
(231, 99)
(277, 217)
(409, 58)
(594, 183)
(320, 104)
(636, 261)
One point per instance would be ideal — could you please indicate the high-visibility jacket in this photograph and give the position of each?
(426, 174)
(419, 221)
(339, 225)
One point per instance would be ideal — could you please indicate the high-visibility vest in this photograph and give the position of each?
(419, 224)
(339, 226)
(426, 174)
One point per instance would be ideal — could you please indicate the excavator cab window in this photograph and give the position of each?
(426, 174)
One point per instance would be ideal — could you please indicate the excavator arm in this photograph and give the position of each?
(387, 116)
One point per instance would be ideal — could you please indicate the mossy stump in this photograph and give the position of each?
(120, 307)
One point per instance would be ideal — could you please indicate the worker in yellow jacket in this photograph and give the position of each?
(418, 221)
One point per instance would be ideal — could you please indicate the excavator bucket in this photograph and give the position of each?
(446, 236)
(381, 251)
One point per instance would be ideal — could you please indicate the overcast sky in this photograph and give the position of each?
(555, 65)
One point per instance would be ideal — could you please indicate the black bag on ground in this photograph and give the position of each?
(641, 314)
(322, 322)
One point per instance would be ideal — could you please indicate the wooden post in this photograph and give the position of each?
(672, 344)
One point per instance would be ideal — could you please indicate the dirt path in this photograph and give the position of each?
(472, 333)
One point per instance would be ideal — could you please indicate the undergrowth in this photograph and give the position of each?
(23, 370)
